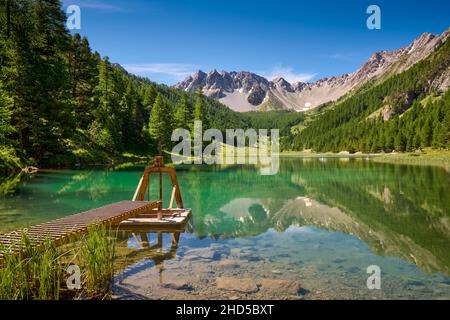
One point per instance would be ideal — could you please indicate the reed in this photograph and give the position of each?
(40, 273)
(97, 258)
(35, 274)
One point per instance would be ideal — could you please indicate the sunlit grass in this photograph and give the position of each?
(97, 256)
(40, 273)
(33, 275)
(429, 157)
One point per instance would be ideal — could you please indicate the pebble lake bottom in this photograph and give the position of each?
(309, 232)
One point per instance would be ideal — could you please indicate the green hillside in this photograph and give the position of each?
(61, 103)
(401, 113)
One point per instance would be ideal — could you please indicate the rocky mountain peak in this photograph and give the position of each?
(281, 83)
(246, 91)
(199, 75)
(193, 82)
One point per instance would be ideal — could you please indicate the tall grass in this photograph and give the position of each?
(97, 255)
(35, 274)
(40, 273)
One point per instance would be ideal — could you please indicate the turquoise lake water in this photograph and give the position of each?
(320, 222)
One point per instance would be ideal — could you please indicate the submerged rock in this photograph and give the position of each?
(178, 285)
(276, 272)
(228, 264)
(238, 285)
(201, 253)
(414, 283)
(248, 256)
(285, 287)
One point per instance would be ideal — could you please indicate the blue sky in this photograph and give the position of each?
(165, 40)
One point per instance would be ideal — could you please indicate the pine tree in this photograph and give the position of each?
(107, 113)
(17, 59)
(438, 139)
(426, 133)
(127, 116)
(6, 128)
(149, 96)
(399, 143)
(417, 141)
(84, 73)
(50, 43)
(160, 124)
(8, 157)
(199, 110)
(446, 128)
(182, 116)
(131, 113)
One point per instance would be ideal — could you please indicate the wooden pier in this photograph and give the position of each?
(67, 229)
(135, 215)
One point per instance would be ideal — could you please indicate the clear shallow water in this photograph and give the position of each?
(320, 223)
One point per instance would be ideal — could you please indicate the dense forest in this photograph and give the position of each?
(415, 116)
(61, 103)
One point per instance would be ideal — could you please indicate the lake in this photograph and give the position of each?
(309, 232)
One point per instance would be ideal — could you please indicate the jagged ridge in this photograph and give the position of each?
(246, 91)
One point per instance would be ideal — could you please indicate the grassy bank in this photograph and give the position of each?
(438, 158)
(305, 154)
(427, 157)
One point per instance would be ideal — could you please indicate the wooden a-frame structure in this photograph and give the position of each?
(144, 184)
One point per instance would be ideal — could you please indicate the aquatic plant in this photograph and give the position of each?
(34, 274)
(97, 258)
(39, 273)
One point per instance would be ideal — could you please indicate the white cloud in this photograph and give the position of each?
(289, 74)
(175, 71)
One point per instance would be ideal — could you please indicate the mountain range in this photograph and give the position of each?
(246, 91)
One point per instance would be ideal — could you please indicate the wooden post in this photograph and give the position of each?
(174, 189)
(175, 238)
(136, 193)
(137, 240)
(160, 240)
(145, 241)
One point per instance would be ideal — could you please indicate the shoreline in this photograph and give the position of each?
(123, 160)
(428, 157)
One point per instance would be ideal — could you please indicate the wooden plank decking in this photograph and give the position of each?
(170, 220)
(67, 229)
